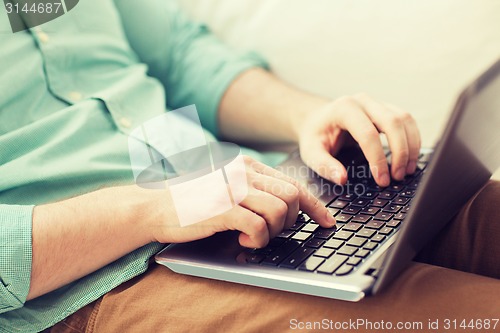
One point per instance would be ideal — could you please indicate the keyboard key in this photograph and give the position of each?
(408, 193)
(314, 243)
(332, 264)
(275, 242)
(254, 258)
(339, 225)
(285, 234)
(360, 202)
(352, 226)
(366, 233)
(369, 195)
(393, 223)
(363, 253)
(347, 197)
(281, 252)
(265, 250)
(370, 210)
(421, 165)
(297, 257)
(378, 238)
(343, 235)
(406, 209)
(311, 264)
(338, 204)
(301, 236)
(361, 218)
(344, 270)
(391, 208)
(357, 241)
(324, 252)
(387, 195)
(353, 261)
(347, 250)
(273, 260)
(370, 246)
(383, 216)
(351, 210)
(297, 225)
(324, 233)
(401, 200)
(310, 227)
(385, 231)
(400, 216)
(395, 187)
(379, 202)
(374, 187)
(374, 224)
(334, 211)
(302, 218)
(413, 185)
(425, 157)
(334, 243)
(343, 217)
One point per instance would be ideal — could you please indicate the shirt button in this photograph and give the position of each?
(75, 96)
(125, 122)
(43, 37)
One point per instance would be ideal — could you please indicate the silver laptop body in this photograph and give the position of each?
(463, 161)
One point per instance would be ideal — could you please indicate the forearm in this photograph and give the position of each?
(76, 237)
(258, 107)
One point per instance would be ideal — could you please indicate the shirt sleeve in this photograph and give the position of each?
(192, 64)
(15, 255)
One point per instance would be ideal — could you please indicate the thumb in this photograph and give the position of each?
(323, 163)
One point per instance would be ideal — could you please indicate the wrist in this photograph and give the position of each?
(137, 208)
(147, 212)
(310, 105)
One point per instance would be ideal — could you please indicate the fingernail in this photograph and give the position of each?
(385, 179)
(400, 173)
(330, 219)
(411, 167)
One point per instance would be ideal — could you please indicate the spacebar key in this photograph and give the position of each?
(332, 264)
(276, 257)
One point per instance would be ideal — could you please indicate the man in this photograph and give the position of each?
(76, 236)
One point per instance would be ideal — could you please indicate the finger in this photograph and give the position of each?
(391, 123)
(362, 129)
(318, 158)
(308, 203)
(285, 191)
(271, 208)
(413, 137)
(253, 227)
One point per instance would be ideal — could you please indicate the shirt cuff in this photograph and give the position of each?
(15, 255)
(221, 81)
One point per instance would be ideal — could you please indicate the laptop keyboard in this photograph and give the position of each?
(365, 220)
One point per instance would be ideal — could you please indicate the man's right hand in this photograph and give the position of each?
(272, 204)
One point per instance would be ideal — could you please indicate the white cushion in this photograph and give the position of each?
(415, 54)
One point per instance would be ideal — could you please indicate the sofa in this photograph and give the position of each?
(418, 55)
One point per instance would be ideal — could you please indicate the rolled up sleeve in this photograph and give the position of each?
(15, 255)
(193, 65)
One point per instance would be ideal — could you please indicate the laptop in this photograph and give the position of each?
(379, 230)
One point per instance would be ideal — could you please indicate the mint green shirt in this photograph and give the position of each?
(70, 91)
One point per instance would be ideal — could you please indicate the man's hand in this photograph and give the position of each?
(323, 132)
(260, 108)
(77, 236)
(272, 204)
